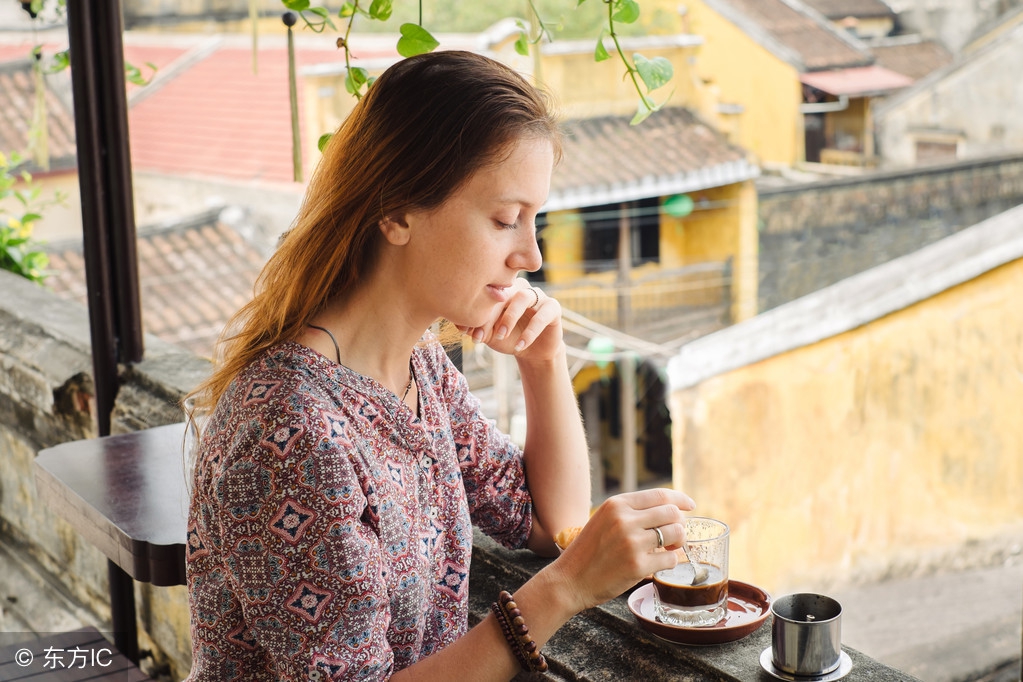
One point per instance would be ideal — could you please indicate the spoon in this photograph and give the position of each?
(699, 572)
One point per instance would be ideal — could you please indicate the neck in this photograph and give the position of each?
(367, 342)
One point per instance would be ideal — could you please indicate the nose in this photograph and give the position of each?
(527, 255)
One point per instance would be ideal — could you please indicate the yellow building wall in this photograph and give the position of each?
(726, 228)
(867, 449)
(746, 74)
(723, 226)
(585, 88)
(846, 129)
(563, 247)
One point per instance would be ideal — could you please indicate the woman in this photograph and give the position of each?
(343, 459)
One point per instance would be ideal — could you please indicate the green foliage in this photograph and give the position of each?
(415, 40)
(18, 252)
(646, 75)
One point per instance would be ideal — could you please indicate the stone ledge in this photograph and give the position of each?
(605, 643)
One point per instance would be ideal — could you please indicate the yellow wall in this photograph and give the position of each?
(726, 229)
(563, 247)
(849, 124)
(849, 455)
(586, 88)
(747, 74)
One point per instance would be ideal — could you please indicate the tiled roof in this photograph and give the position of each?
(795, 33)
(861, 9)
(606, 160)
(218, 118)
(915, 59)
(192, 277)
(17, 103)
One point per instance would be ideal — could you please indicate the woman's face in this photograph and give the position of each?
(466, 253)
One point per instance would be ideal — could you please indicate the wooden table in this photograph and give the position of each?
(127, 495)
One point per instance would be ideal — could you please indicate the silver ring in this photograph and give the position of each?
(660, 538)
(536, 295)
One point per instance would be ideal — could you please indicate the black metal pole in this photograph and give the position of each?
(108, 231)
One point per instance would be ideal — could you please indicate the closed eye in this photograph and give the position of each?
(506, 226)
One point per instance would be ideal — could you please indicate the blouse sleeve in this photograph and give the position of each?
(492, 466)
(308, 571)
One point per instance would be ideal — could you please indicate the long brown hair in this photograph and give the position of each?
(424, 128)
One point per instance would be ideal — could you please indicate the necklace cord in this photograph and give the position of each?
(337, 351)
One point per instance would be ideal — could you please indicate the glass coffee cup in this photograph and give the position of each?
(677, 601)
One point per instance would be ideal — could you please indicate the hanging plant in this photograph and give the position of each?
(646, 75)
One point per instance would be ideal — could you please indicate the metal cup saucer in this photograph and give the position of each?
(844, 666)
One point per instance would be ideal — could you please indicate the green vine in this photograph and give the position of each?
(654, 72)
(645, 74)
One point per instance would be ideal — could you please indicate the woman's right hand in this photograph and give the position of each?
(618, 546)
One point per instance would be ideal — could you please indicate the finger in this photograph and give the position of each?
(518, 305)
(652, 497)
(673, 535)
(544, 317)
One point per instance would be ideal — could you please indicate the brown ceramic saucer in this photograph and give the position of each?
(748, 608)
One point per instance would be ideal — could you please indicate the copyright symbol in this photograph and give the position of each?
(23, 657)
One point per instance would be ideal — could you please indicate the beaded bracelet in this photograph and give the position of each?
(516, 632)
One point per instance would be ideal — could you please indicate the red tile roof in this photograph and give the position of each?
(859, 82)
(218, 118)
(193, 276)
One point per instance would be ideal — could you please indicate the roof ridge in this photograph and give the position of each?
(849, 39)
(961, 60)
(757, 32)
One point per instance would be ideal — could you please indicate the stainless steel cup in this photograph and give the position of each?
(806, 635)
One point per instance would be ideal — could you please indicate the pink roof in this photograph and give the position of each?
(217, 118)
(857, 81)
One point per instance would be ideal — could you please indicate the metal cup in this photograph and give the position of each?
(806, 635)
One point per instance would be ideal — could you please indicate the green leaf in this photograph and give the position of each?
(628, 11)
(355, 79)
(61, 61)
(655, 72)
(579, 2)
(324, 16)
(324, 139)
(381, 9)
(30, 218)
(645, 108)
(296, 5)
(600, 52)
(415, 40)
(522, 44)
(347, 10)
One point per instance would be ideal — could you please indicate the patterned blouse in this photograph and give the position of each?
(330, 529)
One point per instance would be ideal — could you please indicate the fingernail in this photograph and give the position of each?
(501, 332)
(520, 345)
(477, 335)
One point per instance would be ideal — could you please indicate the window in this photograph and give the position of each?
(601, 226)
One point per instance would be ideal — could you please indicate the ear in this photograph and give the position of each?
(395, 229)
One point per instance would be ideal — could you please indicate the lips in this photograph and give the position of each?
(499, 292)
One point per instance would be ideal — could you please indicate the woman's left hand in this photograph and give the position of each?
(528, 326)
